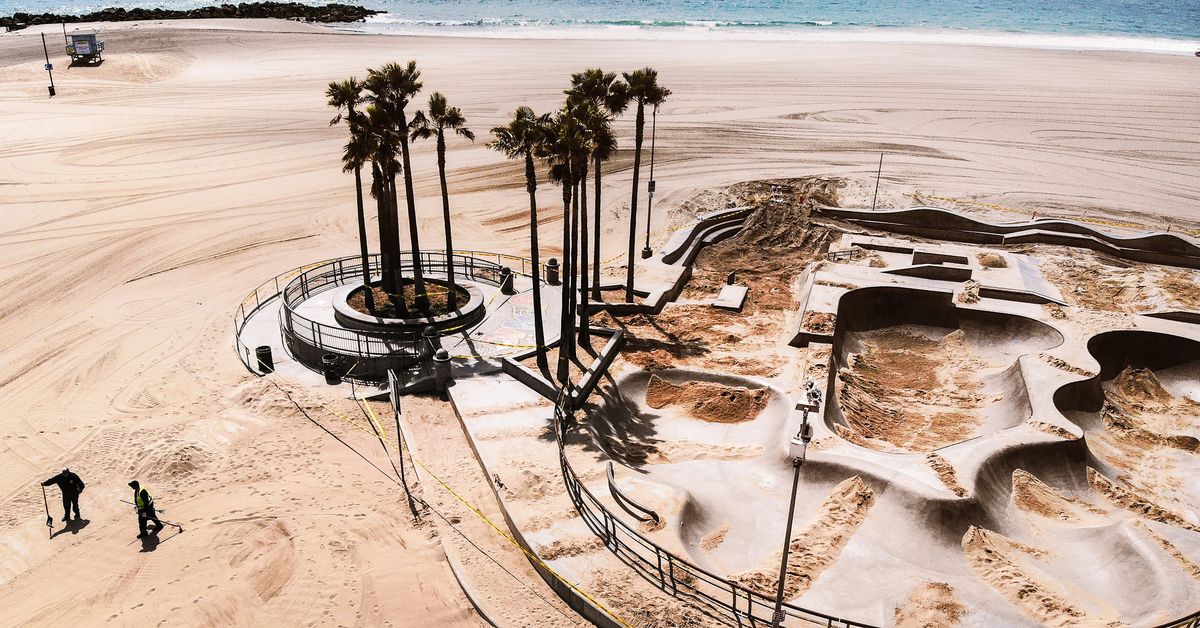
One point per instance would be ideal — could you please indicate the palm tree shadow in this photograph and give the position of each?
(616, 426)
(73, 526)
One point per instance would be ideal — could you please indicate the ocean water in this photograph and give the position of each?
(1171, 26)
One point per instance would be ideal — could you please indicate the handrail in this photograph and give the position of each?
(299, 284)
(670, 573)
(627, 503)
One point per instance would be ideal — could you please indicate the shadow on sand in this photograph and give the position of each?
(73, 526)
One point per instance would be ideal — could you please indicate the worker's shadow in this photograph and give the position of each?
(150, 542)
(73, 526)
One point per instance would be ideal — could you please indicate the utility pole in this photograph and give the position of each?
(877, 173)
(49, 66)
(646, 252)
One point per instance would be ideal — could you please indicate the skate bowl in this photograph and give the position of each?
(1173, 360)
(713, 470)
(913, 372)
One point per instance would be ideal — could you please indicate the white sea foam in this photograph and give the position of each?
(815, 31)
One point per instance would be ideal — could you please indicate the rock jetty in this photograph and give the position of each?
(283, 10)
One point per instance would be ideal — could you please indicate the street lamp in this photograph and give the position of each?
(646, 252)
(797, 450)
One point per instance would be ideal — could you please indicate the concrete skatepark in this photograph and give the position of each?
(967, 442)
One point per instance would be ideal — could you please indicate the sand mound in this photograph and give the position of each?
(1183, 286)
(625, 595)
(908, 393)
(570, 547)
(1009, 568)
(1129, 426)
(1055, 311)
(818, 322)
(1063, 365)
(708, 401)
(1135, 503)
(1141, 413)
(714, 539)
(945, 473)
(1140, 386)
(1185, 563)
(991, 260)
(1033, 496)
(930, 605)
(969, 293)
(818, 544)
(1051, 429)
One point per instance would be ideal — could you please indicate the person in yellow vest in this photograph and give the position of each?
(145, 509)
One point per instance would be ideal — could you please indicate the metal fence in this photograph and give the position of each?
(299, 284)
(740, 605)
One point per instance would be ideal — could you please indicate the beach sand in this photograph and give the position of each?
(140, 205)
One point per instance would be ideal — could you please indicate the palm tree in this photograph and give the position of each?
(645, 90)
(599, 143)
(442, 117)
(379, 140)
(565, 148)
(520, 138)
(348, 95)
(393, 86)
(610, 96)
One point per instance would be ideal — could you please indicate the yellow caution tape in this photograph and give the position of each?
(532, 556)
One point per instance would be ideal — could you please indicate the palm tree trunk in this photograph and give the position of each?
(452, 298)
(584, 337)
(394, 234)
(637, 167)
(368, 294)
(539, 333)
(574, 260)
(596, 230)
(387, 254)
(422, 300)
(565, 316)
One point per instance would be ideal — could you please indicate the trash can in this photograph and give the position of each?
(506, 281)
(441, 371)
(329, 366)
(552, 272)
(266, 363)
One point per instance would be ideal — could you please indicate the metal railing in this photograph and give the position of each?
(676, 576)
(299, 284)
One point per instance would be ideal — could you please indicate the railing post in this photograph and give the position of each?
(671, 574)
(661, 579)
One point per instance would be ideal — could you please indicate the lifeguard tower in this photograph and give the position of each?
(85, 48)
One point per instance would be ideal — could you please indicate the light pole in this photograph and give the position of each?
(646, 252)
(797, 451)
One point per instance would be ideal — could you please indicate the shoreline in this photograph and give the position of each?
(382, 24)
(861, 37)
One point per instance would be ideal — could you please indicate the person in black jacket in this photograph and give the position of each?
(71, 486)
(145, 509)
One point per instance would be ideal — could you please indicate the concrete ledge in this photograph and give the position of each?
(469, 314)
(937, 272)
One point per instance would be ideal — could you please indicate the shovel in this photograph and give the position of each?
(49, 519)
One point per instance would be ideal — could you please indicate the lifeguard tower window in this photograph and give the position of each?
(85, 48)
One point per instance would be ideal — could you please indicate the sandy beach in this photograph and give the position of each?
(141, 204)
